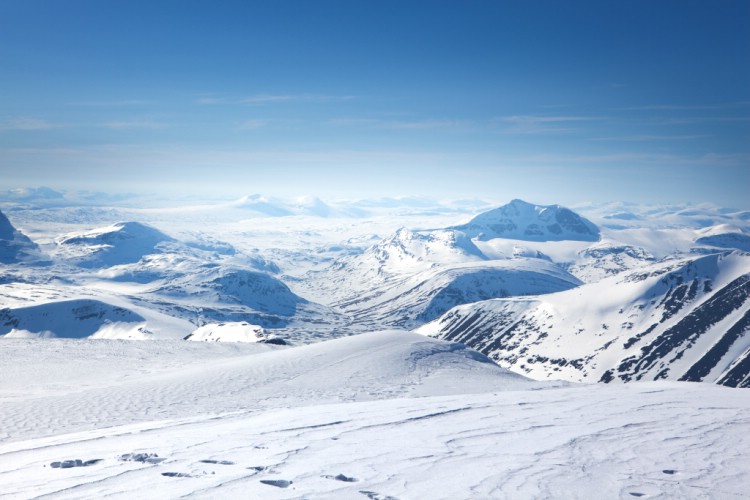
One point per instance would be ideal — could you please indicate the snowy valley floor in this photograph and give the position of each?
(382, 415)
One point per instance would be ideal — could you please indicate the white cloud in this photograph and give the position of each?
(134, 124)
(652, 138)
(264, 99)
(253, 124)
(536, 124)
(115, 103)
(428, 124)
(26, 124)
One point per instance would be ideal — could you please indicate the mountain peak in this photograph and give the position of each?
(521, 220)
(7, 231)
(14, 245)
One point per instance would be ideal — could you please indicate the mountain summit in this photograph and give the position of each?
(14, 245)
(519, 220)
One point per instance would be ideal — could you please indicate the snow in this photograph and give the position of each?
(228, 332)
(520, 220)
(613, 325)
(384, 415)
(340, 413)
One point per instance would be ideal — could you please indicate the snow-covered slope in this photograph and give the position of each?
(72, 319)
(14, 245)
(230, 332)
(338, 419)
(120, 243)
(684, 319)
(607, 258)
(520, 220)
(364, 367)
(413, 277)
(724, 236)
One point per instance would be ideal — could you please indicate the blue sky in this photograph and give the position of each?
(546, 100)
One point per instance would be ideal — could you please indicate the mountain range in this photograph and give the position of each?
(540, 289)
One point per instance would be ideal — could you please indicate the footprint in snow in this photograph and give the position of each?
(341, 477)
(372, 495)
(69, 464)
(146, 458)
(279, 483)
(176, 474)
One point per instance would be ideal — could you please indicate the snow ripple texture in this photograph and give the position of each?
(383, 415)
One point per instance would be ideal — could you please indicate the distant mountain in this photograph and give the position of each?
(724, 236)
(520, 220)
(412, 277)
(120, 243)
(607, 258)
(228, 332)
(14, 245)
(80, 318)
(264, 205)
(39, 194)
(683, 319)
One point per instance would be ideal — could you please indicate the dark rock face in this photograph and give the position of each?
(687, 321)
(14, 245)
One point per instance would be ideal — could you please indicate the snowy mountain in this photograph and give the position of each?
(681, 319)
(724, 236)
(260, 402)
(607, 258)
(520, 220)
(14, 245)
(233, 332)
(412, 277)
(120, 243)
(82, 318)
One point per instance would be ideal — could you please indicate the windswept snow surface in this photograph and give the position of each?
(382, 415)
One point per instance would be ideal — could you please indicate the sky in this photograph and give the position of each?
(550, 101)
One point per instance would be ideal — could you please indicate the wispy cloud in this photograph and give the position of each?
(687, 107)
(253, 124)
(536, 124)
(266, 99)
(707, 160)
(27, 124)
(690, 120)
(134, 124)
(652, 138)
(113, 103)
(427, 124)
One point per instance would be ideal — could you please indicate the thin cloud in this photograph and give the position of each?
(267, 99)
(708, 160)
(253, 124)
(260, 99)
(687, 107)
(29, 124)
(114, 103)
(428, 124)
(134, 124)
(652, 138)
(535, 124)
(401, 124)
(703, 119)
